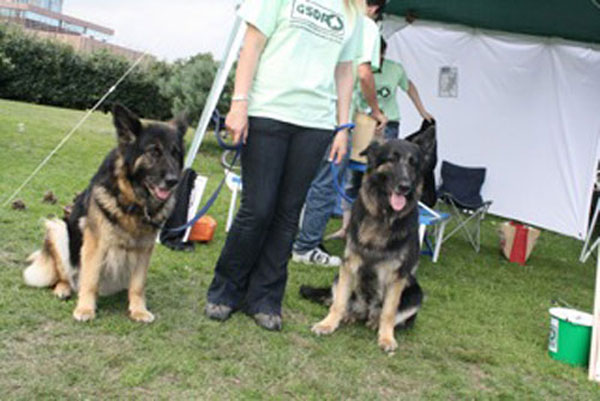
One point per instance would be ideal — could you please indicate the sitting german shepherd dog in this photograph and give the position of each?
(376, 281)
(104, 245)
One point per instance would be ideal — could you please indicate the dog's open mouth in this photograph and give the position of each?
(397, 201)
(159, 193)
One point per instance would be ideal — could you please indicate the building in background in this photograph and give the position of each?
(44, 18)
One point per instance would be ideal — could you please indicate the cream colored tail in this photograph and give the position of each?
(48, 265)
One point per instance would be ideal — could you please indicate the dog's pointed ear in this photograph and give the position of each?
(371, 153)
(128, 125)
(180, 122)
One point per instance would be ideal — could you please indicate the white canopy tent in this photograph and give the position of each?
(525, 107)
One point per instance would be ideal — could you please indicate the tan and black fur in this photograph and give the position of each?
(104, 245)
(376, 282)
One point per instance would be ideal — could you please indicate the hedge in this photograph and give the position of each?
(45, 72)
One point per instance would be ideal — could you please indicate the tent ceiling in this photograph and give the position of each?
(569, 19)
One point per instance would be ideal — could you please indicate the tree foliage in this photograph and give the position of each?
(46, 72)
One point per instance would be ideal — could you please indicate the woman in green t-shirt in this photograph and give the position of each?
(293, 85)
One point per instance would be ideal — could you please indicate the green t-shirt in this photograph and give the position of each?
(370, 53)
(371, 44)
(306, 39)
(387, 80)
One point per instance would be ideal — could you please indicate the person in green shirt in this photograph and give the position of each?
(322, 195)
(293, 85)
(388, 79)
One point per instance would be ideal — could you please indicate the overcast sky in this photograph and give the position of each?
(168, 29)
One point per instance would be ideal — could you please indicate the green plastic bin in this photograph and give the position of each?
(570, 336)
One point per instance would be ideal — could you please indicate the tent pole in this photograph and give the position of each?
(594, 366)
(587, 250)
(230, 55)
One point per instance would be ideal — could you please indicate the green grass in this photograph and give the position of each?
(482, 333)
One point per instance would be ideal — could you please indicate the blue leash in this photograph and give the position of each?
(335, 171)
(238, 148)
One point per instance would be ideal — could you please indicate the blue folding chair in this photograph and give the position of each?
(460, 189)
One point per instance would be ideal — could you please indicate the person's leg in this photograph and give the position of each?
(263, 163)
(319, 205)
(268, 278)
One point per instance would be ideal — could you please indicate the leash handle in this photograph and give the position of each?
(349, 126)
(216, 117)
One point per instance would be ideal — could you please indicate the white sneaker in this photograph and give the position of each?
(316, 257)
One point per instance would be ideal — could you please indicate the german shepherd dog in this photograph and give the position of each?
(104, 245)
(376, 282)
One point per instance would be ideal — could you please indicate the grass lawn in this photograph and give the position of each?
(482, 333)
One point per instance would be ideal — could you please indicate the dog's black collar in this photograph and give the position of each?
(136, 209)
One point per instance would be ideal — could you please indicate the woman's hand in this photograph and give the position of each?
(236, 122)
(426, 116)
(339, 147)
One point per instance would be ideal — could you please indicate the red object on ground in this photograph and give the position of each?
(518, 254)
(203, 230)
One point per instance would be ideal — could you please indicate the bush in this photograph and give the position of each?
(46, 72)
(190, 83)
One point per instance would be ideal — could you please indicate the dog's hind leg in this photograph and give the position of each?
(387, 321)
(410, 304)
(91, 265)
(41, 272)
(341, 294)
(50, 266)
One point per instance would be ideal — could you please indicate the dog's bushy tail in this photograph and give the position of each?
(410, 304)
(48, 263)
(319, 295)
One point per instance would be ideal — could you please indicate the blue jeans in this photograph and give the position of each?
(319, 205)
(279, 161)
(392, 129)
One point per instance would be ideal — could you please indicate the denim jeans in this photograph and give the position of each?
(391, 130)
(279, 162)
(320, 203)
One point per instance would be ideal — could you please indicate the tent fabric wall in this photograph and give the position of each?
(527, 108)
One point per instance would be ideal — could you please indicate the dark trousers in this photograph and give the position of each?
(279, 162)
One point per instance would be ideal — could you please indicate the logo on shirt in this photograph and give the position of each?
(318, 19)
(384, 92)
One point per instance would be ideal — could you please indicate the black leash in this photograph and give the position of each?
(237, 148)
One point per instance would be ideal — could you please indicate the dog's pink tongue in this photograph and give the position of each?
(162, 194)
(397, 202)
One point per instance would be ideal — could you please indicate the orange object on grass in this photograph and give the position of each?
(203, 230)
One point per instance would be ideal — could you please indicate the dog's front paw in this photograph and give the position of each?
(62, 291)
(141, 315)
(84, 314)
(388, 344)
(323, 328)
